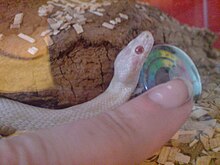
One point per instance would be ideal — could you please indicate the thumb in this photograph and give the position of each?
(127, 135)
(153, 118)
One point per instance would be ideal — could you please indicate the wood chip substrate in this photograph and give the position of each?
(83, 39)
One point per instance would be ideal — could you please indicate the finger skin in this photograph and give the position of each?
(127, 135)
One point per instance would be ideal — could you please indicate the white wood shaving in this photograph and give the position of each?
(18, 19)
(26, 38)
(195, 141)
(124, 16)
(45, 10)
(100, 10)
(209, 131)
(68, 17)
(48, 40)
(198, 113)
(33, 50)
(113, 22)
(96, 13)
(64, 26)
(78, 28)
(55, 32)
(108, 25)
(53, 24)
(46, 32)
(118, 20)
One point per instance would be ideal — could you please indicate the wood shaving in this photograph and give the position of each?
(33, 50)
(96, 13)
(78, 28)
(46, 32)
(48, 40)
(181, 158)
(26, 38)
(108, 25)
(17, 21)
(163, 157)
(124, 16)
(204, 160)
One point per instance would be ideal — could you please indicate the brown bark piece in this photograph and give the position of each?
(82, 65)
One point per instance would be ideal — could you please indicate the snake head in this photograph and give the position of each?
(130, 60)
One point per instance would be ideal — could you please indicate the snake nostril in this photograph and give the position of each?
(139, 49)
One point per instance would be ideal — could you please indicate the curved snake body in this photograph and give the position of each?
(127, 67)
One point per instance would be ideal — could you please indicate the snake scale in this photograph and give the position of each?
(127, 66)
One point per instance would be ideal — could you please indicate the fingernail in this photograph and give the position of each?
(171, 94)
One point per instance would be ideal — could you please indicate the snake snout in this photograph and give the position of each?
(146, 40)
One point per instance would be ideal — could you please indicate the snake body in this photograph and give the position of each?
(127, 67)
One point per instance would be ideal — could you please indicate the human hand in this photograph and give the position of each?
(127, 135)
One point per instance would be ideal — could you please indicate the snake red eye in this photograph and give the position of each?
(139, 49)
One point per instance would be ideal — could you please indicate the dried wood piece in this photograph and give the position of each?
(100, 10)
(181, 158)
(195, 141)
(96, 13)
(172, 154)
(204, 152)
(48, 40)
(64, 26)
(205, 141)
(108, 25)
(163, 157)
(203, 160)
(17, 21)
(187, 136)
(198, 113)
(118, 20)
(54, 24)
(55, 32)
(18, 18)
(33, 50)
(209, 131)
(68, 17)
(44, 10)
(214, 143)
(26, 38)
(176, 136)
(78, 28)
(113, 22)
(216, 149)
(124, 16)
(46, 32)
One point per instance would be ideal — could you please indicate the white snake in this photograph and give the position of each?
(127, 68)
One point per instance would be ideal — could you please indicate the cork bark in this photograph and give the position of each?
(82, 65)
